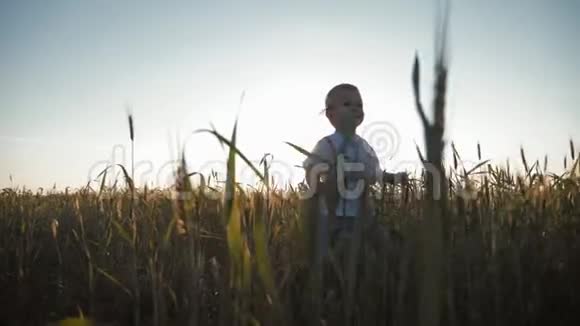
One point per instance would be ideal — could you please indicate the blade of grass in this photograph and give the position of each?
(113, 280)
(232, 146)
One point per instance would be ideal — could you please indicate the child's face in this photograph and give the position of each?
(346, 110)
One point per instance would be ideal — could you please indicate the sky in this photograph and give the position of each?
(70, 71)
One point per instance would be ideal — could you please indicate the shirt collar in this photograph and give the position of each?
(339, 136)
(340, 139)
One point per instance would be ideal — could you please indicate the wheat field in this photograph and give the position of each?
(487, 246)
(179, 256)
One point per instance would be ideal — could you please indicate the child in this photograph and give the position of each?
(342, 167)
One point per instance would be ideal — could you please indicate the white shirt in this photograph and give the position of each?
(357, 150)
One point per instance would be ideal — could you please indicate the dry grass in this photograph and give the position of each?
(478, 247)
(513, 254)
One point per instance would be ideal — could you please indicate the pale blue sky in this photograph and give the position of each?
(68, 69)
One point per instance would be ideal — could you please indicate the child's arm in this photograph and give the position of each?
(376, 174)
(372, 170)
(312, 164)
